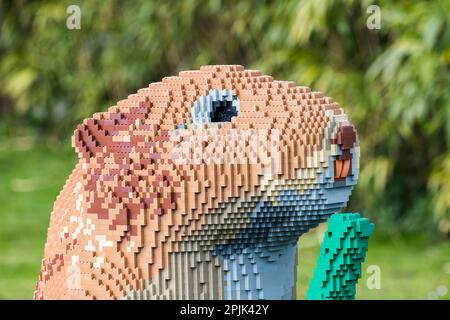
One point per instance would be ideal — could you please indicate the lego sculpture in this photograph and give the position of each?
(199, 186)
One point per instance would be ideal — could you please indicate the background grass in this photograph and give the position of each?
(33, 173)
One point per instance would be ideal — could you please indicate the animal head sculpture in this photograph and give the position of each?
(198, 187)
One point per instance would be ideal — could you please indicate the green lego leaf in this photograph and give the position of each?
(341, 255)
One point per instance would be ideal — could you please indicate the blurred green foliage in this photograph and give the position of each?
(394, 82)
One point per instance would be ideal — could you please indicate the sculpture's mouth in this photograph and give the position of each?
(343, 166)
(346, 139)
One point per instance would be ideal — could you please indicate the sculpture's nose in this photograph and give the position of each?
(346, 138)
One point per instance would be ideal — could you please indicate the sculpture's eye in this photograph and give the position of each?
(217, 106)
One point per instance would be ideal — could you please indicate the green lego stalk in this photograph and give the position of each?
(342, 253)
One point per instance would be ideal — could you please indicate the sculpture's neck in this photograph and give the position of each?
(253, 274)
(261, 275)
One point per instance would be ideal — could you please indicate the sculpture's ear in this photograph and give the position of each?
(92, 135)
(101, 132)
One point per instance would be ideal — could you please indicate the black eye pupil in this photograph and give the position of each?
(216, 106)
(223, 111)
